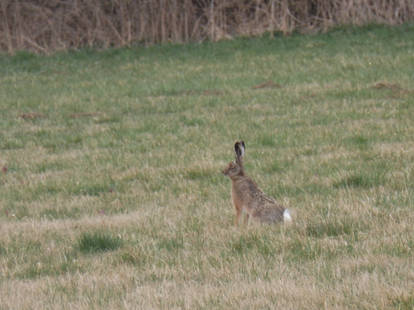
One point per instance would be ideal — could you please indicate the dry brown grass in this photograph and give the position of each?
(47, 26)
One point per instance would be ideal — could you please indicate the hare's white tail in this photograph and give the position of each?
(286, 216)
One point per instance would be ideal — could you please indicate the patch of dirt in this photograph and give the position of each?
(396, 89)
(31, 116)
(267, 84)
(212, 92)
(383, 85)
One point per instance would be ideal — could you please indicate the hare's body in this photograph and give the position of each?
(248, 198)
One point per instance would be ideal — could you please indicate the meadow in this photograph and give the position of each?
(111, 195)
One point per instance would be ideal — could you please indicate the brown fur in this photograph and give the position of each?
(247, 196)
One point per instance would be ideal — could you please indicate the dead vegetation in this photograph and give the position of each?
(267, 84)
(47, 26)
(31, 116)
(396, 90)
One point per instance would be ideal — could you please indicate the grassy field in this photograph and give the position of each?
(111, 195)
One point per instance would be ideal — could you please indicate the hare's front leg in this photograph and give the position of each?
(237, 219)
(247, 219)
(238, 215)
(239, 209)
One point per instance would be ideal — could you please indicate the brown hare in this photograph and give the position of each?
(248, 198)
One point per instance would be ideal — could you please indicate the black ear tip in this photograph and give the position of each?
(239, 148)
(236, 146)
(242, 143)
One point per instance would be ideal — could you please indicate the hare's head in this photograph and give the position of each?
(232, 169)
(236, 168)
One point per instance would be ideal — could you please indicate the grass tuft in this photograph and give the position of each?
(333, 229)
(356, 181)
(358, 141)
(133, 257)
(252, 244)
(403, 302)
(200, 173)
(268, 140)
(304, 250)
(98, 242)
(172, 244)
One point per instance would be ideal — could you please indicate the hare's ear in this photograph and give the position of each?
(239, 149)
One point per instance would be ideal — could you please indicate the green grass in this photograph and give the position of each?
(98, 242)
(111, 192)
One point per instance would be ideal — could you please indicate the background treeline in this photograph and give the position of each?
(49, 25)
